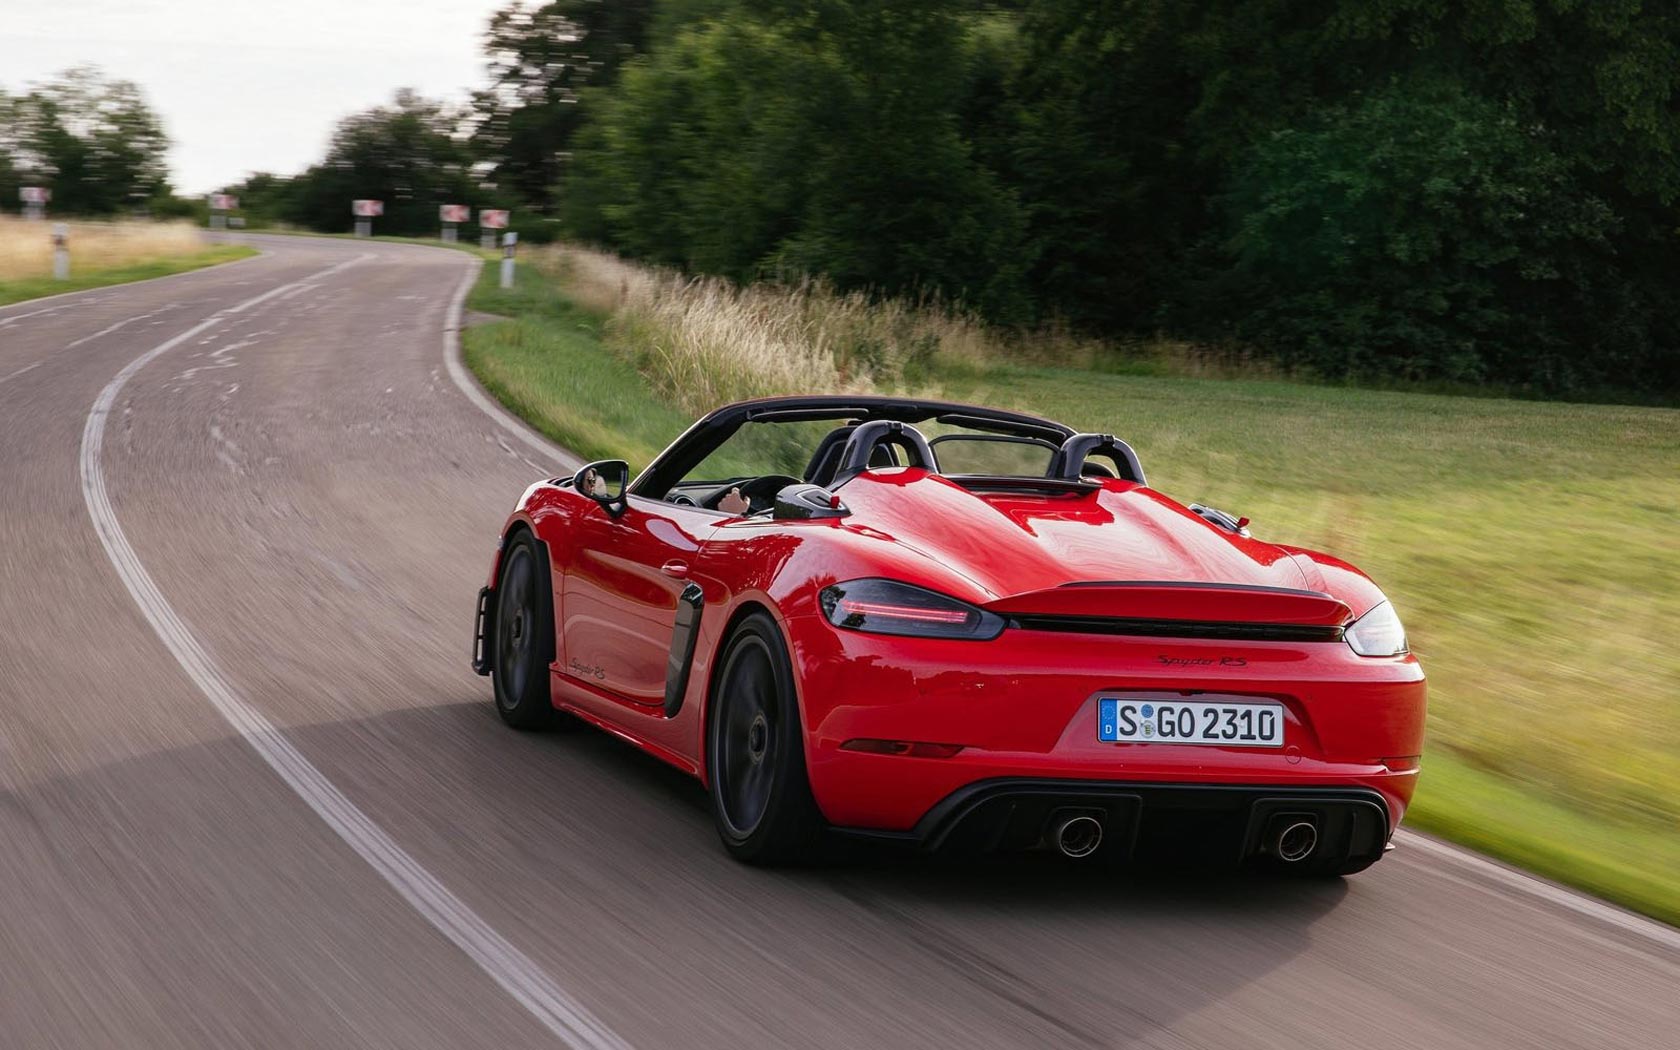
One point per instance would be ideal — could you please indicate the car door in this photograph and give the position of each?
(618, 601)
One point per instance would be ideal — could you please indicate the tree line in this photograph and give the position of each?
(1472, 192)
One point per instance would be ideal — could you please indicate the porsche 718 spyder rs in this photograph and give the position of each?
(956, 627)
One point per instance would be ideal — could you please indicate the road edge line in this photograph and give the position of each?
(515, 972)
(455, 364)
(1528, 884)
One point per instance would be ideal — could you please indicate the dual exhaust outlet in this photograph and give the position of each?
(1292, 840)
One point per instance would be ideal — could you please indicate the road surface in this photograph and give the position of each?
(252, 796)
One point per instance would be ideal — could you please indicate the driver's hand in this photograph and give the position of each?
(734, 503)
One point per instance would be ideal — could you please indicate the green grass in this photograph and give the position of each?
(546, 363)
(36, 287)
(1532, 548)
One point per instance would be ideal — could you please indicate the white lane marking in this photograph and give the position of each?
(107, 288)
(517, 973)
(108, 329)
(21, 371)
(1579, 903)
(469, 386)
(4, 321)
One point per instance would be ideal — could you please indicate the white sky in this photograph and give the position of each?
(247, 86)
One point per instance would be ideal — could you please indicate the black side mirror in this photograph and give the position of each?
(604, 482)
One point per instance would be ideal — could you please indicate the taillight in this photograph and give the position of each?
(891, 607)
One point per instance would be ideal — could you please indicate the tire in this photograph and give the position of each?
(755, 751)
(523, 644)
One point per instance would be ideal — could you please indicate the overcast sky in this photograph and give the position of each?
(246, 86)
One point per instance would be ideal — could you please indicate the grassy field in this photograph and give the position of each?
(101, 254)
(1533, 548)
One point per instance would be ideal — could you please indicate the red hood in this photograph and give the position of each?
(1009, 544)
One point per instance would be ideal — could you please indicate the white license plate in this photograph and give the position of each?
(1121, 720)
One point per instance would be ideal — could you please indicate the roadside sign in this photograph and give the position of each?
(34, 194)
(366, 209)
(223, 202)
(453, 212)
(493, 218)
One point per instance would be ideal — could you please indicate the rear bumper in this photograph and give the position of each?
(1217, 824)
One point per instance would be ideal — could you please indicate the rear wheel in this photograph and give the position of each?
(524, 637)
(755, 750)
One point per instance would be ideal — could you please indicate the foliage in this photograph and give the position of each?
(93, 141)
(1422, 232)
(791, 139)
(540, 58)
(408, 154)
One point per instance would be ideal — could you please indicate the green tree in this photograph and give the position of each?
(790, 139)
(411, 154)
(93, 141)
(1425, 233)
(540, 60)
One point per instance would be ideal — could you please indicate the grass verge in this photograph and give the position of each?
(1532, 547)
(17, 291)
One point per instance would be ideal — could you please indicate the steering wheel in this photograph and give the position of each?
(759, 492)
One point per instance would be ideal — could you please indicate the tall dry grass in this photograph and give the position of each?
(704, 341)
(26, 247)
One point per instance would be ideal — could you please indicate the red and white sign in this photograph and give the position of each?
(223, 202)
(453, 213)
(367, 209)
(493, 219)
(34, 194)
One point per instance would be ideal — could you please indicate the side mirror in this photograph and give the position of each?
(604, 482)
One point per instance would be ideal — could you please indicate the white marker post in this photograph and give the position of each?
(220, 205)
(489, 221)
(35, 200)
(366, 211)
(509, 239)
(61, 251)
(449, 215)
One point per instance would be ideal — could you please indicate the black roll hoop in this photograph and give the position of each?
(1068, 464)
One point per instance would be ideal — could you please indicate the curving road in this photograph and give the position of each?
(251, 795)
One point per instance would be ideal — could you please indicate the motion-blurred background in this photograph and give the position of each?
(1396, 279)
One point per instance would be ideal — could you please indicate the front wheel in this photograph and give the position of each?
(755, 751)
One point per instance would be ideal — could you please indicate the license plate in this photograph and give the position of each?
(1189, 722)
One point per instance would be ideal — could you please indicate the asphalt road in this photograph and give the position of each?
(251, 795)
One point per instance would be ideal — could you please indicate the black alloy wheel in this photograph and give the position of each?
(524, 637)
(755, 753)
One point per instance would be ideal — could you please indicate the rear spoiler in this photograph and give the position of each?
(1166, 600)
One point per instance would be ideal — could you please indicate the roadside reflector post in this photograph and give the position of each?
(61, 251)
(509, 239)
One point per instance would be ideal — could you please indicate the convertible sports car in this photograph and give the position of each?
(956, 627)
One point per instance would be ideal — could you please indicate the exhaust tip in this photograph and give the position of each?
(1077, 836)
(1296, 841)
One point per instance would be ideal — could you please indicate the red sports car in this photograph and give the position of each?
(956, 627)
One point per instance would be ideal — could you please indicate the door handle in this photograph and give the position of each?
(675, 569)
